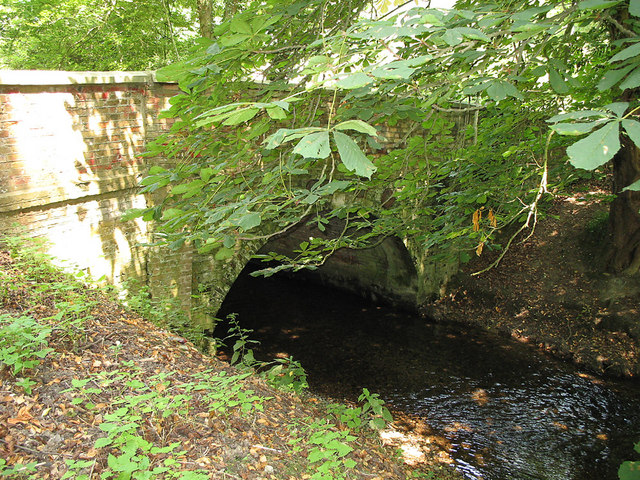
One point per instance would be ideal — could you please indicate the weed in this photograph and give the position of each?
(287, 374)
(374, 406)
(327, 448)
(281, 373)
(372, 412)
(242, 354)
(17, 471)
(131, 454)
(23, 343)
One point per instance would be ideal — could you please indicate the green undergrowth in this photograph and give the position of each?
(44, 315)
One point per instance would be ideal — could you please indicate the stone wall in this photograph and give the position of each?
(70, 145)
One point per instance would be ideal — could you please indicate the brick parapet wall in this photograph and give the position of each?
(70, 145)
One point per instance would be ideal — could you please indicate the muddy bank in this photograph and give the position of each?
(551, 290)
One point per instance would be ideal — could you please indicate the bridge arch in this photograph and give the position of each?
(395, 271)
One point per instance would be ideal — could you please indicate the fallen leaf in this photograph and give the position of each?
(23, 417)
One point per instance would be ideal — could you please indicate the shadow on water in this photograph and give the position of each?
(508, 412)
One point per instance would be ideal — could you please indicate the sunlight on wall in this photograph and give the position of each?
(70, 145)
(47, 145)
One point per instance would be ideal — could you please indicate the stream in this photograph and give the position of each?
(507, 411)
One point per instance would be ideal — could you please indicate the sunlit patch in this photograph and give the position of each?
(561, 426)
(457, 426)
(480, 396)
(414, 449)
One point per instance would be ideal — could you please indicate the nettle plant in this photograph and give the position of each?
(23, 344)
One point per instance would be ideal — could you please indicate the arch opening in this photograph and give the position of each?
(383, 273)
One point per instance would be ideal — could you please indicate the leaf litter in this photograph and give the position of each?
(119, 397)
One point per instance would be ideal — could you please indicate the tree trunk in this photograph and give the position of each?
(205, 17)
(231, 7)
(624, 215)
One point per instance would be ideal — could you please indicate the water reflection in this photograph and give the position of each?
(507, 411)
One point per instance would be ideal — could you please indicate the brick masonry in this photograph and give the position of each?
(70, 145)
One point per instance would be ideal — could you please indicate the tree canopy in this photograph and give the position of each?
(95, 35)
(283, 108)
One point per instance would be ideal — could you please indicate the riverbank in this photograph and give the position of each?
(549, 290)
(91, 390)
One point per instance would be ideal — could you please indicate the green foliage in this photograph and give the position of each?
(630, 470)
(282, 373)
(157, 401)
(327, 449)
(17, 471)
(94, 35)
(374, 407)
(139, 403)
(23, 343)
(286, 374)
(471, 86)
(372, 412)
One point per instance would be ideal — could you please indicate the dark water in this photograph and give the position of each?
(508, 412)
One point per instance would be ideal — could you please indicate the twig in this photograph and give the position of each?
(533, 212)
(619, 26)
(457, 110)
(267, 448)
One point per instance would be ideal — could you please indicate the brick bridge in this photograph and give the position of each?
(69, 167)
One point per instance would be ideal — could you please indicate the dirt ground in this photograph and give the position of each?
(550, 290)
(176, 408)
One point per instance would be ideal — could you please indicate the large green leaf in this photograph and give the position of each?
(397, 70)
(453, 36)
(632, 81)
(314, 145)
(239, 25)
(241, 116)
(355, 80)
(618, 108)
(352, 156)
(333, 186)
(632, 127)
(628, 52)
(597, 4)
(629, 471)
(575, 128)
(596, 149)
(634, 8)
(432, 17)
(357, 125)
(249, 220)
(277, 113)
(496, 91)
(284, 135)
(224, 253)
(576, 115)
(635, 186)
(172, 213)
(557, 82)
(529, 13)
(474, 34)
(612, 77)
